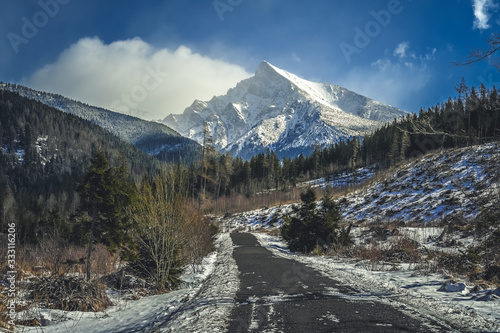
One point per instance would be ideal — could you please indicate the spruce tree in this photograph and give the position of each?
(405, 144)
(297, 230)
(311, 227)
(106, 193)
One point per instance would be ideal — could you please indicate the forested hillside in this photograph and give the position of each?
(43, 156)
(152, 137)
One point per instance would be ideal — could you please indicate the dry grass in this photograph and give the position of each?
(70, 294)
(60, 258)
(239, 203)
(198, 237)
(46, 267)
(403, 249)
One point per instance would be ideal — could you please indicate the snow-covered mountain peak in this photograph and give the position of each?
(270, 72)
(279, 110)
(277, 76)
(265, 69)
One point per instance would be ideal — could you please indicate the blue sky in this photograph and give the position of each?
(152, 58)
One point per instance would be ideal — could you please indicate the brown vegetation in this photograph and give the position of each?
(198, 236)
(57, 257)
(70, 294)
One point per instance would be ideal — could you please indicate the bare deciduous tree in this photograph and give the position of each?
(198, 233)
(487, 53)
(159, 218)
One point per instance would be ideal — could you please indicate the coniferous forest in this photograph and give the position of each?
(45, 153)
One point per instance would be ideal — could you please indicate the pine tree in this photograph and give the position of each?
(330, 217)
(461, 88)
(395, 151)
(106, 193)
(353, 151)
(311, 228)
(295, 230)
(405, 144)
(207, 165)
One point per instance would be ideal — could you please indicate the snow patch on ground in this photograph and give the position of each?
(265, 218)
(344, 179)
(210, 309)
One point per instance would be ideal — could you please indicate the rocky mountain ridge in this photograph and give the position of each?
(281, 111)
(154, 138)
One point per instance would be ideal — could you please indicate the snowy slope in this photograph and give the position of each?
(152, 137)
(437, 186)
(453, 184)
(276, 109)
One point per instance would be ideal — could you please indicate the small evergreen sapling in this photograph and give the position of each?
(314, 228)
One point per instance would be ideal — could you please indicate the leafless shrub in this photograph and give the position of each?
(4, 319)
(159, 218)
(103, 261)
(239, 203)
(371, 255)
(198, 235)
(58, 257)
(52, 253)
(455, 263)
(402, 249)
(75, 260)
(427, 266)
(491, 273)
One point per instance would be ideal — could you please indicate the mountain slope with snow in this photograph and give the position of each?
(152, 137)
(278, 110)
(457, 183)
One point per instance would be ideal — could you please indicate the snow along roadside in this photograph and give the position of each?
(401, 287)
(210, 308)
(203, 304)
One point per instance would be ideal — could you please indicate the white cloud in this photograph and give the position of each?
(482, 16)
(401, 49)
(133, 77)
(296, 58)
(387, 79)
(388, 82)
(429, 56)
